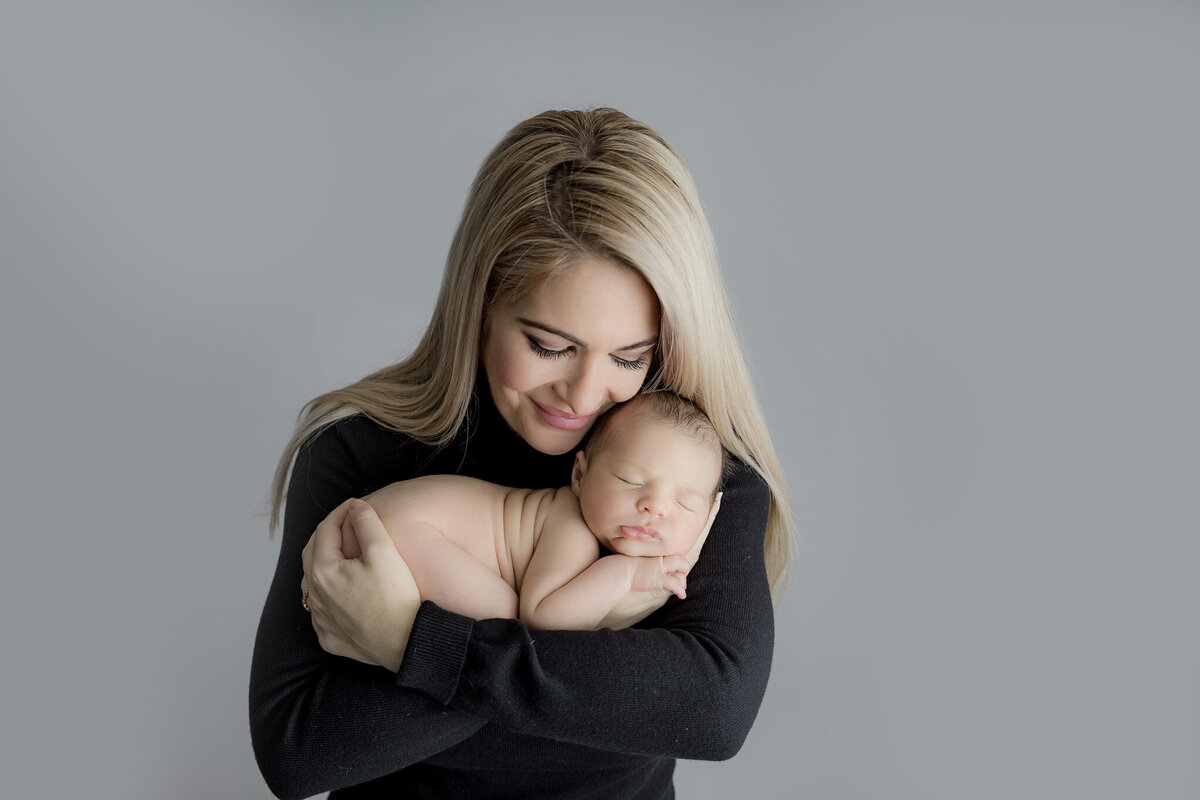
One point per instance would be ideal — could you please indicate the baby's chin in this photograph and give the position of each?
(642, 548)
(628, 547)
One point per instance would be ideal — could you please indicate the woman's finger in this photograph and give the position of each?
(693, 555)
(373, 538)
(326, 541)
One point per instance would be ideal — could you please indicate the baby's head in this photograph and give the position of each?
(649, 476)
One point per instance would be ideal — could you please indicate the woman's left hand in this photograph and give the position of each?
(361, 594)
(693, 555)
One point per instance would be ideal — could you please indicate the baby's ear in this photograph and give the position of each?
(578, 471)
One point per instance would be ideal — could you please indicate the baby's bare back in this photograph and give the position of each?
(496, 525)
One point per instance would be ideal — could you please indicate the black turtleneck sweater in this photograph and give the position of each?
(490, 708)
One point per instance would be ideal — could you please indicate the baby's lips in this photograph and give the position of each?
(639, 533)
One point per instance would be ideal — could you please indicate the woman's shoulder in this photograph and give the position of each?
(374, 454)
(743, 486)
(358, 436)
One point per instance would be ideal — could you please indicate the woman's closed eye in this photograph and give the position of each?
(551, 353)
(546, 352)
(635, 364)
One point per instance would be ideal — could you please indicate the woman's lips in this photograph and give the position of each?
(557, 418)
(638, 533)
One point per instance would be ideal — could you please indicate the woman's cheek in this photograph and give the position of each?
(634, 384)
(512, 366)
(511, 374)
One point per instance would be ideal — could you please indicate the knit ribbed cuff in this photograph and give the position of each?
(437, 648)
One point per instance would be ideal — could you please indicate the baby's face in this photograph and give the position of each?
(649, 491)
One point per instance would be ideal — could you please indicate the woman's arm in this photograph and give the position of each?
(689, 687)
(318, 721)
(687, 683)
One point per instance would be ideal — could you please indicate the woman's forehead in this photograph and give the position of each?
(594, 298)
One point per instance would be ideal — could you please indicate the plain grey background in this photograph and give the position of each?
(961, 241)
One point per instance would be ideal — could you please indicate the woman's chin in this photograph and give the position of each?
(551, 441)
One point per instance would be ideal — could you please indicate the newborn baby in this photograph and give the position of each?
(644, 491)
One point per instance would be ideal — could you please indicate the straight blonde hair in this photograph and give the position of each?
(561, 186)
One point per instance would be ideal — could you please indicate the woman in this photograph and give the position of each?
(582, 270)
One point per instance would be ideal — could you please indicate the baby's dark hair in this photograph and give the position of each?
(664, 406)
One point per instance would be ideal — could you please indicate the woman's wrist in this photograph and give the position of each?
(435, 651)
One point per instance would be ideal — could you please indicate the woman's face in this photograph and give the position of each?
(560, 357)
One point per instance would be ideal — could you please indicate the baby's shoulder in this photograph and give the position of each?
(439, 492)
(528, 509)
(531, 504)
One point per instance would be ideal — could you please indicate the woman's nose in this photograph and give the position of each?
(584, 388)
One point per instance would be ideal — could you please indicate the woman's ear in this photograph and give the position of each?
(578, 471)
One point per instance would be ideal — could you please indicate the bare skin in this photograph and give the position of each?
(485, 550)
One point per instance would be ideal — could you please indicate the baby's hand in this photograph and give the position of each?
(661, 572)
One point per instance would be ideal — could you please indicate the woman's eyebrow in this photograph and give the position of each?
(575, 340)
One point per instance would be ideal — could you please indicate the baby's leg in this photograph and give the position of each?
(448, 575)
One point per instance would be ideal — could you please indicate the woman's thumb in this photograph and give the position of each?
(368, 527)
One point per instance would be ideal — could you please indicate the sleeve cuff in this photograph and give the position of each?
(436, 651)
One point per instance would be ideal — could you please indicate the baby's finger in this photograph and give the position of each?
(678, 564)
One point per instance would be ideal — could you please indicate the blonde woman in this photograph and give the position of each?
(582, 271)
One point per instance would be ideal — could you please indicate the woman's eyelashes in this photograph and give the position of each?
(550, 354)
(546, 352)
(635, 364)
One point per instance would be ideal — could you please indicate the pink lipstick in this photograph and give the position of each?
(557, 418)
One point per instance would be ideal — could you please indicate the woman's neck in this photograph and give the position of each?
(497, 453)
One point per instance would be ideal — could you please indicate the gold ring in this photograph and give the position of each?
(304, 602)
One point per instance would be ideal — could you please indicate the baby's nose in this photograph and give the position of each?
(653, 506)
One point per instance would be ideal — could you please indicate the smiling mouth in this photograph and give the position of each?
(638, 533)
(563, 420)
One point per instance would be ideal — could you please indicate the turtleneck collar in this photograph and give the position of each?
(497, 453)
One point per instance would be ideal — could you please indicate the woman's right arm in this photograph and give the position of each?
(317, 721)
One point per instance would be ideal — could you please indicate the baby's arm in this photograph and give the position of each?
(568, 588)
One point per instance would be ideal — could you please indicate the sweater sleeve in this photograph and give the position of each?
(687, 682)
(318, 721)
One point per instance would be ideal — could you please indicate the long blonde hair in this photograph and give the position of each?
(559, 186)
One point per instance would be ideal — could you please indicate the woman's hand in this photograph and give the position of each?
(361, 594)
(693, 555)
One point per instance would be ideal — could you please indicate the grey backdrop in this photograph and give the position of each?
(961, 241)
